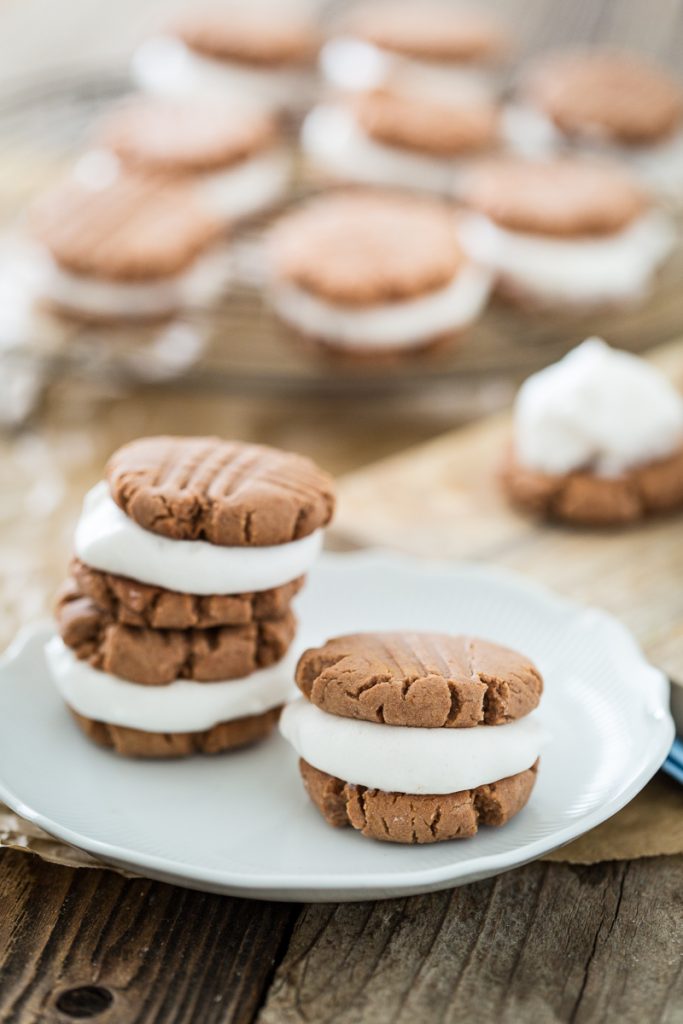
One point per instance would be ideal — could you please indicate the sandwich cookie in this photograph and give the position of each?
(415, 737)
(368, 272)
(234, 158)
(604, 102)
(129, 247)
(598, 440)
(262, 55)
(564, 233)
(452, 51)
(396, 137)
(175, 624)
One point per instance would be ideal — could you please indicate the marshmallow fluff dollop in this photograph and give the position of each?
(598, 409)
(181, 706)
(406, 759)
(109, 540)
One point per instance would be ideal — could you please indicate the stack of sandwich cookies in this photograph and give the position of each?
(175, 623)
(125, 246)
(565, 233)
(401, 137)
(369, 272)
(598, 440)
(234, 158)
(604, 102)
(415, 737)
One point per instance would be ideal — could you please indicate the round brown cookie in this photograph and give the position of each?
(138, 743)
(225, 492)
(584, 499)
(361, 247)
(419, 679)
(136, 229)
(139, 604)
(250, 35)
(155, 657)
(427, 125)
(405, 818)
(566, 198)
(185, 137)
(429, 31)
(606, 94)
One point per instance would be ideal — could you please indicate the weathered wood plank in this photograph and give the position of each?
(546, 943)
(78, 944)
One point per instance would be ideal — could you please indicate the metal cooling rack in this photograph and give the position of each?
(236, 345)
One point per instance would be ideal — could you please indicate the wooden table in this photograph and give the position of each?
(545, 943)
(548, 942)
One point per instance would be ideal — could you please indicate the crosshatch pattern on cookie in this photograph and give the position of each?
(225, 492)
(419, 679)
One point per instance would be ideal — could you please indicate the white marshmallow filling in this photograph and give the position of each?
(247, 187)
(350, 63)
(401, 324)
(334, 141)
(598, 410)
(406, 759)
(618, 266)
(109, 540)
(99, 296)
(180, 706)
(165, 66)
(658, 165)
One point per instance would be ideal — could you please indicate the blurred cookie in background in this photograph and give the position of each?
(606, 102)
(235, 158)
(564, 233)
(368, 272)
(124, 247)
(455, 50)
(402, 137)
(598, 440)
(263, 55)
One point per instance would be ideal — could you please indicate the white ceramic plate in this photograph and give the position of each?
(241, 823)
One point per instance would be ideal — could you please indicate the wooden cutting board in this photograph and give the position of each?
(442, 499)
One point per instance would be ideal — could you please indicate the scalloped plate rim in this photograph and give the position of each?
(289, 887)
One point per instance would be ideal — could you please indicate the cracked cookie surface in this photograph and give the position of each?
(142, 604)
(156, 657)
(225, 492)
(419, 679)
(405, 818)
